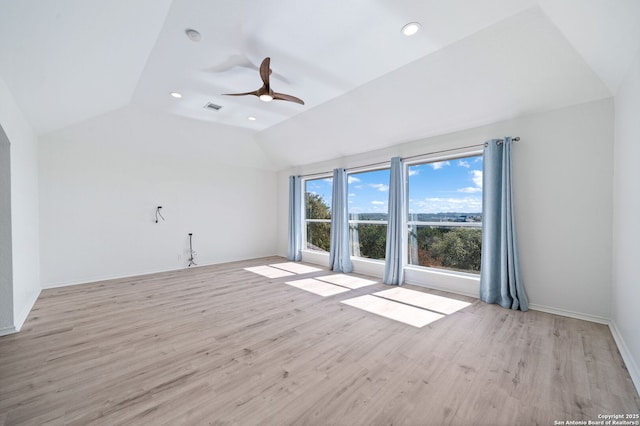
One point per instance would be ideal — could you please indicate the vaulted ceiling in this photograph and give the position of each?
(365, 85)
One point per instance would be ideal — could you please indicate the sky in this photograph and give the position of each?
(440, 187)
(447, 186)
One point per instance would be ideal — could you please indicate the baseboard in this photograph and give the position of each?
(629, 362)
(129, 275)
(22, 316)
(110, 277)
(91, 280)
(570, 314)
(7, 330)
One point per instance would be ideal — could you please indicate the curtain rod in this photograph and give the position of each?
(499, 141)
(516, 139)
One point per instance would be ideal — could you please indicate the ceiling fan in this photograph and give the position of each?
(265, 93)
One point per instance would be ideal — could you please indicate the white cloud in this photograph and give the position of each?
(378, 203)
(464, 163)
(379, 186)
(352, 179)
(413, 171)
(439, 164)
(477, 177)
(330, 180)
(470, 189)
(352, 194)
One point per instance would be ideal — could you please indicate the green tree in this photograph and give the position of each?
(373, 240)
(318, 233)
(425, 237)
(316, 206)
(459, 248)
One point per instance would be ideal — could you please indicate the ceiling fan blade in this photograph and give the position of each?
(254, 93)
(265, 71)
(283, 97)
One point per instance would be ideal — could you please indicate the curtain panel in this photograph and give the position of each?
(339, 258)
(500, 280)
(396, 230)
(295, 219)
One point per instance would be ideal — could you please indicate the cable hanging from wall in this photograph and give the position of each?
(159, 214)
(192, 253)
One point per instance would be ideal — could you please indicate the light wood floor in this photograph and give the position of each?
(220, 345)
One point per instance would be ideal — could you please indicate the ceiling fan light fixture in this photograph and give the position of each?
(411, 28)
(265, 93)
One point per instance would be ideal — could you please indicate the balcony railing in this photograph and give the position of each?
(318, 234)
(368, 238)
(448, 245)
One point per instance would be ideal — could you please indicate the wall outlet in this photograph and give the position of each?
(179, 257)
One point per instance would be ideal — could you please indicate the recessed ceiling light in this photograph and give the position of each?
(266, 98)
(176, 95)
(251, 118)
(193, 34)
(411, 28)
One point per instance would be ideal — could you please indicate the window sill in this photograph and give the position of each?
(438, 279)
(445, 272)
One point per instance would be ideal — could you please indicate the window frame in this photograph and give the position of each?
(305, 220)
(360, 170)
(451, 154)
(427, 159)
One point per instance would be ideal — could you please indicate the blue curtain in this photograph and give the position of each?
(295, 218)
(500, 280)
(339, 259)
(396, 231)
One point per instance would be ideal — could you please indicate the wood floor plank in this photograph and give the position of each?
(221, 345)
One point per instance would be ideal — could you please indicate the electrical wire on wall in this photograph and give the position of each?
(192, 254)
(159, 214)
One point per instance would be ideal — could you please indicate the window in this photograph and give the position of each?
(368, 210)
(317, 216)
(445, 214)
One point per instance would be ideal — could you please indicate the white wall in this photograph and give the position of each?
(626, 224)
(562, 183)
(6, 269)
(24, 211)
(102, 179)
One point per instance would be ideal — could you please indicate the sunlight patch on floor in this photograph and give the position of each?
(393, 310)
(411, 307)
(443, 305)
(296, 268)
(346, 281)
(268, 271)
(317, 287)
